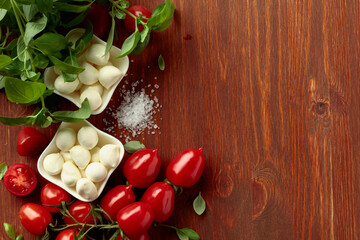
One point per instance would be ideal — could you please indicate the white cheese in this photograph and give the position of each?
(65, 87)
(93, 97)
(109, 75)
(95, 154)
(96, 172)
(53, 163)
(97, 87)
(70, 174)
(80, 155)
(65, 139)
(66, 156)
(90, 75)
(88, 137)
(110, 155)
(86, 188)
(95, 54)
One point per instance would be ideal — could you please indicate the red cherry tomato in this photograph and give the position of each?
(35, 218)
(186, 168)
(117, 198)
(67, 234)
(144, 236)
(79, 210)
(130, 21)
(161, 197)
(20, 179)
(100, 19)
(135, 219)
(30, 142)
(52, 194)
(142, 168)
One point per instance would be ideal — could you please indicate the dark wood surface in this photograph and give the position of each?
(270, 90)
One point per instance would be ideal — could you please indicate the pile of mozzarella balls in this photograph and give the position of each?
(99, 73)
(81, 163)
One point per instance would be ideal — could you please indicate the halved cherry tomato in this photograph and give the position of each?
(67, 234)
(186, 168)
(137, 10)
(100, 18)
(142, 168)
(161, 198)
(20, 179)
(30, 142)
(35, 218)
(117, 198)
(144, 236)
(79, 210)
(52, 194)
(135, 219)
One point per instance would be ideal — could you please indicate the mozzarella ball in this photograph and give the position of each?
(109, 75)
(80, 155)
(65, 139)
(65, 87)
(110, 155)
(95, 54)
(53, 163)
(97, 87)
(57, 71)
(90, 75)
(66, 156)
(70, 174)
(96, 172)
(95, 154)
(86, 189)
(88, 137)
(94, 98)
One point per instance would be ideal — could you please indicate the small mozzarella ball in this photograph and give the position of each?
(86, 189)
(66, 156)
(110, 155)
(53, 163)
(97, 87)
(88, 137)
(65, 139)
(96, 172)
(65, 87)
(90, 75)
(108, 64)
(95, 154)
(57, 71)
(109, 75)
(94, 98)
(80, 155)
(70, 174)
(95, 54)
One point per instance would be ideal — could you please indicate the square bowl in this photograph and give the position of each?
(104, 138)
(120, 63)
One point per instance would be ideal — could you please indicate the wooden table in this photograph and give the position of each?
(270, 90)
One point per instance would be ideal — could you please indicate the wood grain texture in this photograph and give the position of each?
(270, 89)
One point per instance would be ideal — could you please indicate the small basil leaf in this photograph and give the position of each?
(3, 169)
(120, 15)
(16, 121)
(30, 11)
(66, 7)
(130, 44)
(66, 67)
(110, 39)
(41, 61)
(50, 43)
(4, 61)
(145, 33)
(69, 116)
(22, 92)
(33, 28)
(44, 6)
(21, 50)
(161, 63)
(2, 13)
(181, 235)
(190, 233)
(10, 231)
(199, 205)
(141, 46)
(19, 237)
(5, 4)
(133, 146)
(162, 16)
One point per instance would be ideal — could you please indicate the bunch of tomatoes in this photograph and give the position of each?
(118, 209)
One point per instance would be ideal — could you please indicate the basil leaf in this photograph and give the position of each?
(22, 92)
(2, 13)
(33, 28)
(3, 169)
(66, 67)
(181, 235)
(10, 46)
(10, 231)
(20, 237)
(199, 205)
(145, 33)
(140, 47)
(40, 61)
(130, 44)
(30, 11)
(162, 16)
(30, 75)
(190, 233)
(120, 15)
(4, 61)
(17, 121)
(133, 146)
(42, 120)
(44, 6)
(50, 43)
(85, 39)
(66, 7)
(25, 1)
(5, 4)
(161, 63)
(69, 116)
(20, 48)
(110, 39)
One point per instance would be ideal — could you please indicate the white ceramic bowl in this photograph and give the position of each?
(104, 138)
(120, 63)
